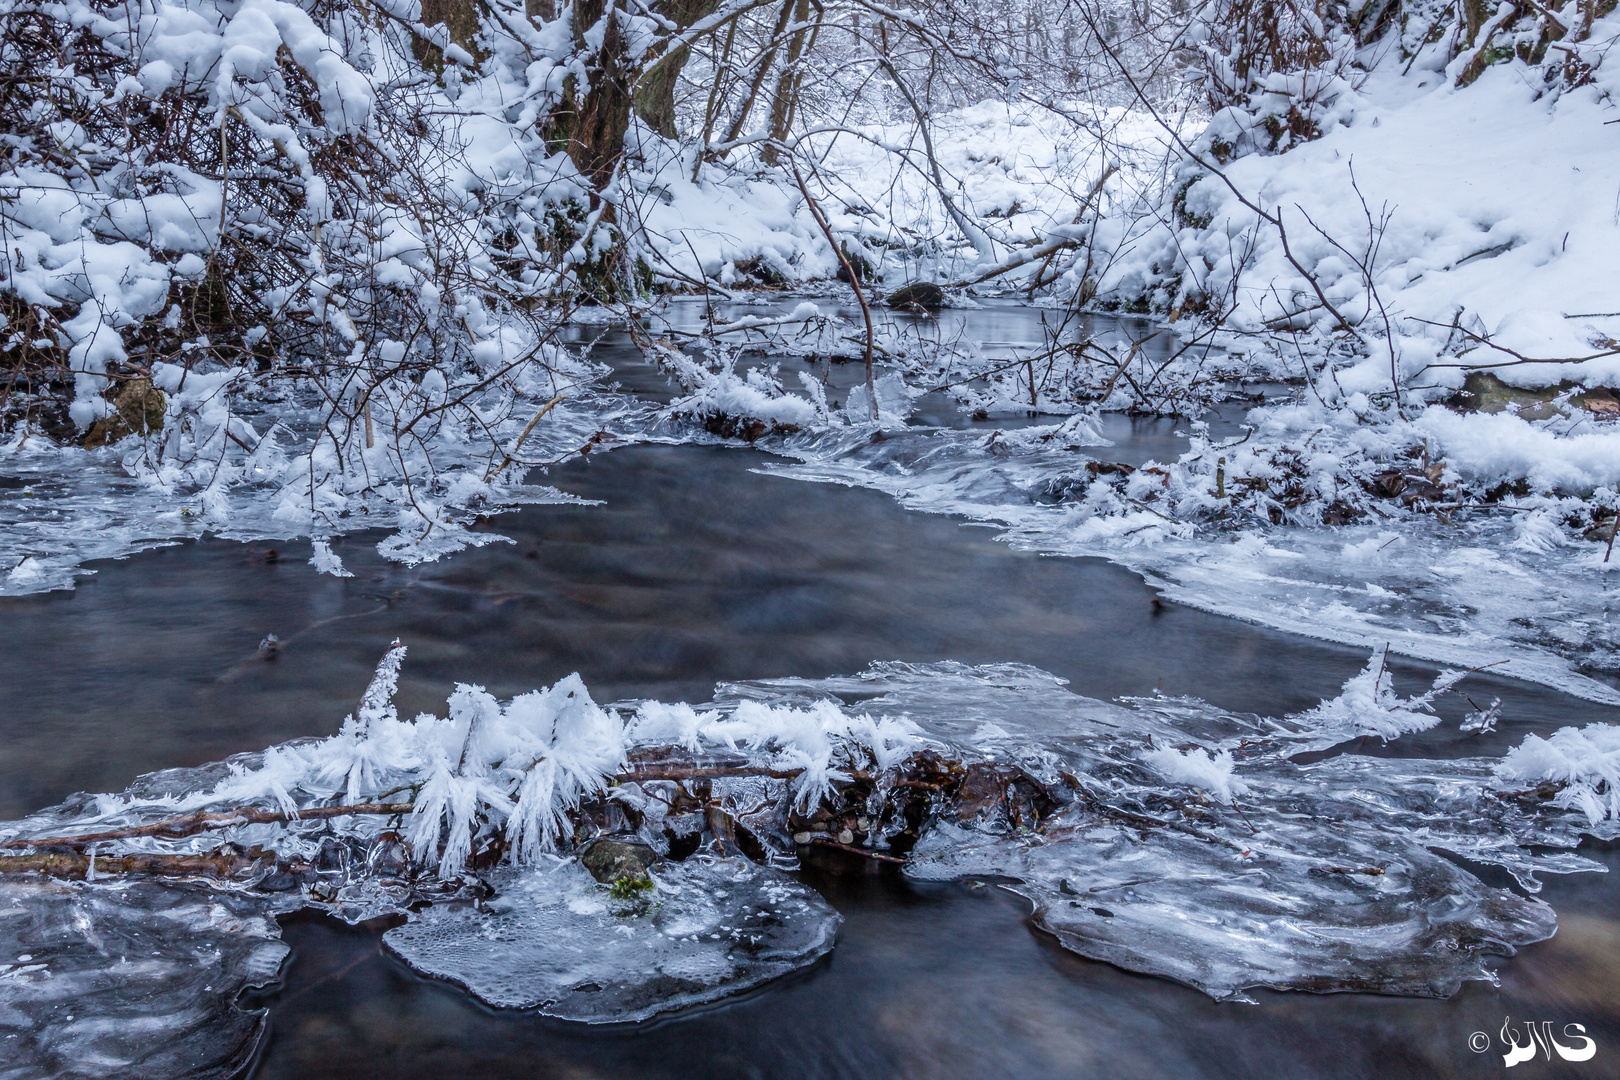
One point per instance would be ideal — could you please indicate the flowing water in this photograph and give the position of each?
(700, 566)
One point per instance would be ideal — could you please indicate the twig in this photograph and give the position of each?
(853, 850)
(854, 283)
(190, 824)
(507, 460)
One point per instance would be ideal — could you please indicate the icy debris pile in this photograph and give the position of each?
(1308, 877)
(609, 864)
(1575, 767)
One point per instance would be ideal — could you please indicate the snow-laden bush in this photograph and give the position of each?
(259, 185)
(215, 208)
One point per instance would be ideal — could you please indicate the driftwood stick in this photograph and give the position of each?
(853, 850)
(658, 773)
(510, 454)
(854, 283)
(64, 864)
(191, 824)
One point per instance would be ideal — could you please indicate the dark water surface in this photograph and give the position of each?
(699, 569)
(696, 569)
(947, 980)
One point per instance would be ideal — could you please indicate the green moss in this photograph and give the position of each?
(1185, 217)
(631, 889)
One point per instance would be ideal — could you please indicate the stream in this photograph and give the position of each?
(703, 564)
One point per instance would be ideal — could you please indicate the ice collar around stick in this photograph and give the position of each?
(608, 864)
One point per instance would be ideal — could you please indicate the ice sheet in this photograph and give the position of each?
(551, 939)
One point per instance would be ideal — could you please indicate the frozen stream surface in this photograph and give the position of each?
(1232, 809)
(1164, 836)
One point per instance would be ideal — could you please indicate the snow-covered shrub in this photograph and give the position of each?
(251, 186)
(237, 207)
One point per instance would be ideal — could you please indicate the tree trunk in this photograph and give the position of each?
(592, 125)
(460, 17)
(741, 116)
(787, 87)
(655, 93)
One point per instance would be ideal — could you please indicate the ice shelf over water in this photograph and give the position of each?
(1460, 592)
(550, 940)
(1164, 836)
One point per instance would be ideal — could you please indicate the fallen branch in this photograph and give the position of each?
(853, 850)
(75, 865)
(854, 283)
(190, 824)
(639, 775)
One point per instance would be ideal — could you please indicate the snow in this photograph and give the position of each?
(1198, 768)
(1501, 217)
(1501, 447)
(1585, 762)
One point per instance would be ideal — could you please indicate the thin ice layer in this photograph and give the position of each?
(553, 939)
(1324, 877)
(1298, 909)
(135, 979)
(1455, 592)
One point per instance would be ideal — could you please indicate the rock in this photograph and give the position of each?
(1484, 392)
(1601, 532)
(918, 296)
(138, 410)
(617, 858)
